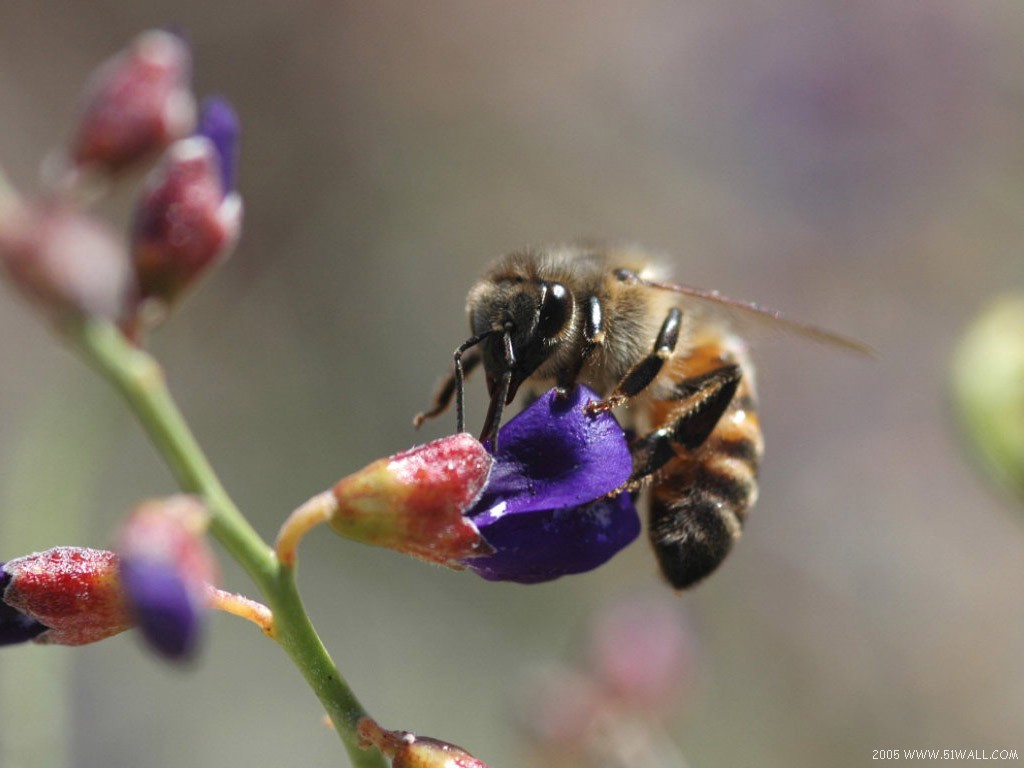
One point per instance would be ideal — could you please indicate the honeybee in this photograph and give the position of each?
(569, 314)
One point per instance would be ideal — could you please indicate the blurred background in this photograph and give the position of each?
(856, 165)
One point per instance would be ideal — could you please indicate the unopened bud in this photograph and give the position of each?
(414, 501)
(167, 569)
(68, 263)
(431, 753)
(64, 596)
(136, 103)
(407, 750)
(644, 652)
(188, 218)
(559, 706)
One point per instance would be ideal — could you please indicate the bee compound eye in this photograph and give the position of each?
(555, 307)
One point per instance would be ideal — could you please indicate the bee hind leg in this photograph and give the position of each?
(703, 399)
(696, 510)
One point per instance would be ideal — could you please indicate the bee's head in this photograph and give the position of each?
(520, 323)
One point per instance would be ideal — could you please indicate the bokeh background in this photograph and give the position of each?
(858, 165)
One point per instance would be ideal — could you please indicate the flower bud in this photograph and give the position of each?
(414, 501)
(65, 596)
(559, 705)
(67, 262)
(407, 750)
(188, 218)
(421, 752)
(136, 103)
(644, 652)
(167, 568)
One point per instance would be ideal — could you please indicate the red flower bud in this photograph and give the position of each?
(414, 501)
(73, 593)
(185, 222)
(67, 262)
(136, 103)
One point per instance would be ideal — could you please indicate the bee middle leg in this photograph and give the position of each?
(640, 376)
(703, 399)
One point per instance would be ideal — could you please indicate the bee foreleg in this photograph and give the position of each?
(640, 376)
(703, 400)
(445, 392)
(593, 337)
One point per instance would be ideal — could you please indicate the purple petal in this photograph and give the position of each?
(544, 509)
(553, 455)
(163, 606)
(219, 123)
(543, 545)
(15, 626)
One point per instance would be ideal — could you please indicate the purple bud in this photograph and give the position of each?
(545, 509)
(162, 606)
(167, 570)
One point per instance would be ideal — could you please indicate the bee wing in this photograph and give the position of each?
(744, 316)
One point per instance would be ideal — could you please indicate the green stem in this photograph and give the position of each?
(140, 380)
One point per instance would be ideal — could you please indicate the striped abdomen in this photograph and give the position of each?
(700, 498)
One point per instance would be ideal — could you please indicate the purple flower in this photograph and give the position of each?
(545, 509)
